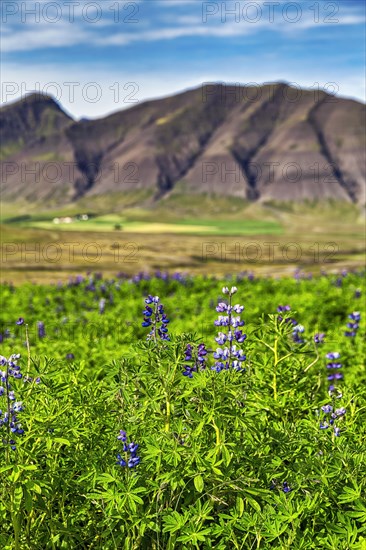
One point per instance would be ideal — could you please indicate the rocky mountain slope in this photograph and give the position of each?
(271, 142)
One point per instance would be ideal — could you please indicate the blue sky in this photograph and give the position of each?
(98, 57)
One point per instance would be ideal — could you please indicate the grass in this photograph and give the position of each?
(209, 235)
(187, 226)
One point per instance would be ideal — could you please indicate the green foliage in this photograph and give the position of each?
(215, 449)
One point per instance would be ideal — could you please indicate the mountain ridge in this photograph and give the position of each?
(269, 142)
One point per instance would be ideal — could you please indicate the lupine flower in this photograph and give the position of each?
(333, 355)
(298, 329)
(229, 356)
(122, 436)
(130, 457)
(358, 293)
(333, 367)
(284, 309)
(332, 414)
(155, 317)
(339, 412)
(280, 309)
(41, 329)
(319, 338)
(5, 334)
(284, 487)
(196, 357)
(353, 324)
(332, 390)
(9, 422)
(20, 321)
(336, 376)
(102, 303)
(331, 417)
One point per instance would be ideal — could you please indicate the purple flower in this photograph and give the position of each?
(236, 322)
(333, 355)
(338, 413)
(239, 336)
(324, 426)
(353, 324)
(102, 303)
(336, 376)
(356, 316)
(41, 329)
(122, 436)
(319, 338)
(9, 422)
(229, 356)
(221, 338)
(281, 309)
(152, 299)
(298, 329)
(121, 461)
(334, 365)
(20, 321)
(197, 357)
(222, 321)
(156, 318)
(130, 458)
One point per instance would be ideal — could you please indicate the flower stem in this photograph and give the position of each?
(168, 410)
(217, 431)
(28, 350)
(274, 384)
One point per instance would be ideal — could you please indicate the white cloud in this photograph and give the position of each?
(154, 25)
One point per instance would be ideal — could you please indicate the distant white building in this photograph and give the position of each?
(67, 219)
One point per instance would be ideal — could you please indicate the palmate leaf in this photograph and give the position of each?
(358, 516)
(174, 522)
(349, 494)
(195, 536)
(273, 528)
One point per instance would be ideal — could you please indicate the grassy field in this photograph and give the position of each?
(193, 234)
(110, 441)
(112, 223)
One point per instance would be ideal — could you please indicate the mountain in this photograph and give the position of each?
(270, 142)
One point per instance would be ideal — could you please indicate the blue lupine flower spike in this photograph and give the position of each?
(230, 356)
